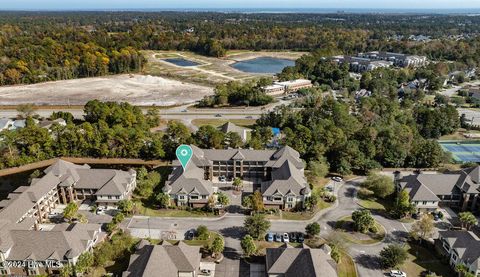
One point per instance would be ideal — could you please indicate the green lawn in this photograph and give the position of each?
(148, 211)
(421, 258)
(346, 266)
(349, 236)
(371, 205)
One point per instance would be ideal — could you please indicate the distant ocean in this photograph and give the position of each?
(475, 11)
(471, 11)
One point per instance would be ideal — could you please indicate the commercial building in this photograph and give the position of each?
(457, 189)
(164, 260)
(279, 88)
(277, 173)
(461, 248)
(306, 262)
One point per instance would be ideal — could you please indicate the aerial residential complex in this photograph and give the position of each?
(376, 59)
(29, 206)
(459, 189)
(278, 174)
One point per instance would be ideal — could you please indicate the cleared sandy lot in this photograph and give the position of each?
(135, 89)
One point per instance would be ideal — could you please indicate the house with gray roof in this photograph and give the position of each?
(165, 260)
(459, 189)
(278, 174)
(230, 127)
(461, 247)
(306, 262)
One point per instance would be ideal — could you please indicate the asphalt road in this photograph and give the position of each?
(230, 226)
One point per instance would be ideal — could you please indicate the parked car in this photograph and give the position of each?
(293, 237)
(249, 117)
(300, 237)
(222, 179)
(436, 217)
(184, 111)
(285, 237)
(206, 272)
(397, 273)
(218, 115)
(270, 237)
(427, 273)
(190, 235)
(337, 179)
(415, 215)
(278, 237)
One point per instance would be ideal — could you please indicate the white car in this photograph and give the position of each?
(285, 237)
(337, 179)
(397, 273)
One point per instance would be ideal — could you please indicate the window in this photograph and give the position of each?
(109, 197)
(181, 197)
(277, 198)
(424, 203)
(3, 271)
(118, 197)
(194, 197)
(290, 199)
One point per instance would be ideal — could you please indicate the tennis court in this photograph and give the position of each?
(462, 151)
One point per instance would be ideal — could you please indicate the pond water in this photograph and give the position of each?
(263, 65)
(181, 62)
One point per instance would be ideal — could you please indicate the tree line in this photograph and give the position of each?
(43, 46)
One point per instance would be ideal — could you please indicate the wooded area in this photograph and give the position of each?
(45, 46)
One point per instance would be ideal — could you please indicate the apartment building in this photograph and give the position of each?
(398, 59)
(277, 173)
(459, 189)
(62, 183)
(28, 252)
(461, 247)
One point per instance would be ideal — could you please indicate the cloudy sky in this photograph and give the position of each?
(193, 4)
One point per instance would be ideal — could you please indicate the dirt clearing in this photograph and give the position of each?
(135, 89)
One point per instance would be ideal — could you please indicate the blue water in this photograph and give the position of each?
(181, 62)
(263, 65)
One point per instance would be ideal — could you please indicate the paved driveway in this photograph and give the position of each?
(230, 226)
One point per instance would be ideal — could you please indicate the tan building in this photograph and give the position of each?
(279, 174)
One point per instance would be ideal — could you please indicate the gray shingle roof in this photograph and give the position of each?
(303, 262)
(465, 243)
(41, 245)
(168, 259)
(192, 180)
(285, 179)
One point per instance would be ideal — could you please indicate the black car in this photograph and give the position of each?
(427, 273)
(300, 237)
(293, 237)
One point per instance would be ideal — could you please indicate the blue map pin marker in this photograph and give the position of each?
(184, 154)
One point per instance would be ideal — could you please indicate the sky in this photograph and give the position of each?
(229, 4)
